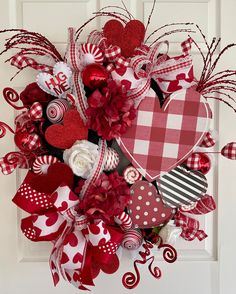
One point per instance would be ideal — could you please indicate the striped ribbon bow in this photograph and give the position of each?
(171, 74)
(113, 55)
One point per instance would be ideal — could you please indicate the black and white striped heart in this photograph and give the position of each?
(181, 187)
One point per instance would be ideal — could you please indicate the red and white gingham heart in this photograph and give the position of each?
(162, 138)
(59, 83)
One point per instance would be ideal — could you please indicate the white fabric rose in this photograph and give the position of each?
(81, 157)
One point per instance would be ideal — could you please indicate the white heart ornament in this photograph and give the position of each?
(58, 84)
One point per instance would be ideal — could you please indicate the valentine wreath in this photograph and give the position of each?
(115, 138)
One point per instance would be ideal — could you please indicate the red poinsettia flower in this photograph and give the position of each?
(107, 198)
(32, 93)
(110, 111)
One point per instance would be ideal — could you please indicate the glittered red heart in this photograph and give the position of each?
(57, 174)
(127, 38)
(146, 207)
(64, 136)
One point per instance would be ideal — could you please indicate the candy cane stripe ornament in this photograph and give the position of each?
(41, 164)
(124, 220)
(91, 54)
(111, 159)
(56, 110)
(132, 239)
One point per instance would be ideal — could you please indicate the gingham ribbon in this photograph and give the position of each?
(205, 205)
(149, 65)
(97, 169)
(32, 142)
(11, 161)
(113, 55)
(20, 61)
(190, 227)
(74, 62)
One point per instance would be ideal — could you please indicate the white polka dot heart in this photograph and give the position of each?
(146, 207)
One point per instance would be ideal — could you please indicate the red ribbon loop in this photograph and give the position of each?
(11, 161)
(205, 205)
(171, 74)
(80, 249)
(190, 227)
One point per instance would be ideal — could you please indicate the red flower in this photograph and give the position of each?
(110, 111)
(32, 93)
(108, 197)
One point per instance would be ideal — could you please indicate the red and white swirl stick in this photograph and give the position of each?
(124, 220)
(42, 163)
(131, 175)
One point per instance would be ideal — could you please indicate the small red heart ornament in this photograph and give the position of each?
(59, 83)
(146, 208)
(64, 136)
(57, 174)
(127, 38)
(161, 138)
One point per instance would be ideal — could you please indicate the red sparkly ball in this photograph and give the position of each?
(95, 76)
(204, 163)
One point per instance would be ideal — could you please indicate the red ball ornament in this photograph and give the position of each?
(22, 140)
(95, 76)
(204, 163)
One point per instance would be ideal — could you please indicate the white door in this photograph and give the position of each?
(205, 267)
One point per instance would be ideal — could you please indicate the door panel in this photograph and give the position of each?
(206, 266)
